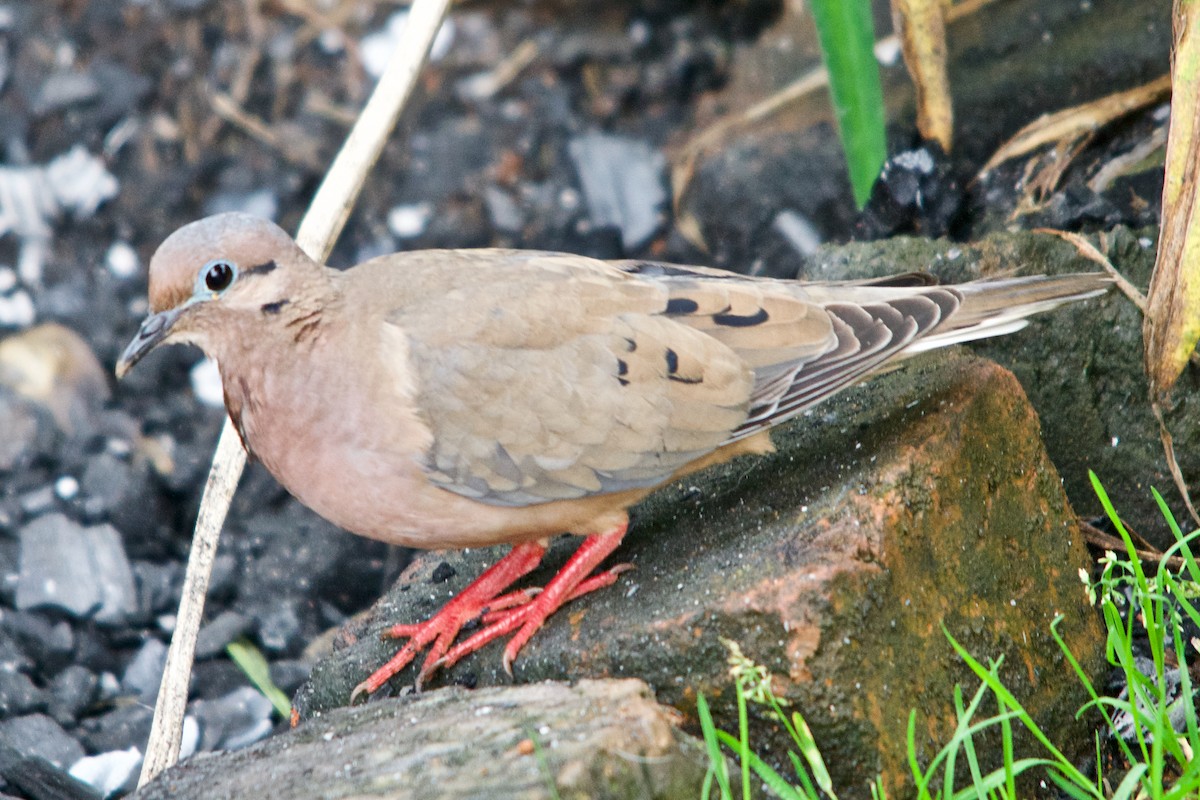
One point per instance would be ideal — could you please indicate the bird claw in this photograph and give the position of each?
(522, 611)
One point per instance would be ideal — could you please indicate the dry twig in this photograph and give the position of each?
(318, 231)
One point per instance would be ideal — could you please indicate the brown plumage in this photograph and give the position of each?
(462, 398)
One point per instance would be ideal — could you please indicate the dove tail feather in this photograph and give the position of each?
(995, 308)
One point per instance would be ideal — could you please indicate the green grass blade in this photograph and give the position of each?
(715, 757)
(848, 45)
(1003, 695)
(774, 781)
(812, 754)
(251, 661)
(807, 787)
(743, 744)
(1129, 786)
(1070, 788)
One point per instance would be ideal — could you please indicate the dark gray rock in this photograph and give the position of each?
(279, 628)
(71, 692)
(49, 643)
(144, 671)
(217, 633)
(234, 721)
(105, 483)
(623, 182)
(64, 89)
(40, 736)
(18, 695)
(38, 501)
(82, 571)
(37, 779)
(288, 674)
(158, 587)
(10, 570)
(124, 727)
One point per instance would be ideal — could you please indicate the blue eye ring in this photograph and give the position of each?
(217, 275)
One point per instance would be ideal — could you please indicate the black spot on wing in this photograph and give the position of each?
(622, 371)
(274, 308)
(673, 369)
(742, 320)
(682, 305)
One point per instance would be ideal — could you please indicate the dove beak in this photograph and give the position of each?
(154, 329)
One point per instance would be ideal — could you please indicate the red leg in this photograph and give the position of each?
(571, 581)
(443, 626)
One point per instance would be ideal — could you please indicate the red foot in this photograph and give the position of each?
(570, 582)
(443, 627)
(498, 623)
(523, 611)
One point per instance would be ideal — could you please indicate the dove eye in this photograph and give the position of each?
(218, 275)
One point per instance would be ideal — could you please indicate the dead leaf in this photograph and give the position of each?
(1072, 123)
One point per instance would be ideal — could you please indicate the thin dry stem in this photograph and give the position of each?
(318, 232)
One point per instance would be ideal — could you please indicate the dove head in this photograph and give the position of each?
(213, 276)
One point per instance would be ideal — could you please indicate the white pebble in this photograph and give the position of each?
(107, 772)
(375, 48)
(331, 41)
(66, 487)
(190, 739)
(206, 383)
(8, 279)
(122, 260)
(409, 221)
(887, 51)
(16, 310)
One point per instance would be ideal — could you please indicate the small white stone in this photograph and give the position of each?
(376, 48)
(107, 772)
(409, 221)
(190, 739)
(66, 487)
(122, 260)
(206, 383)
(16, 310)
(8, 279)
(887, 51)
(331, 41)
(81, 181)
